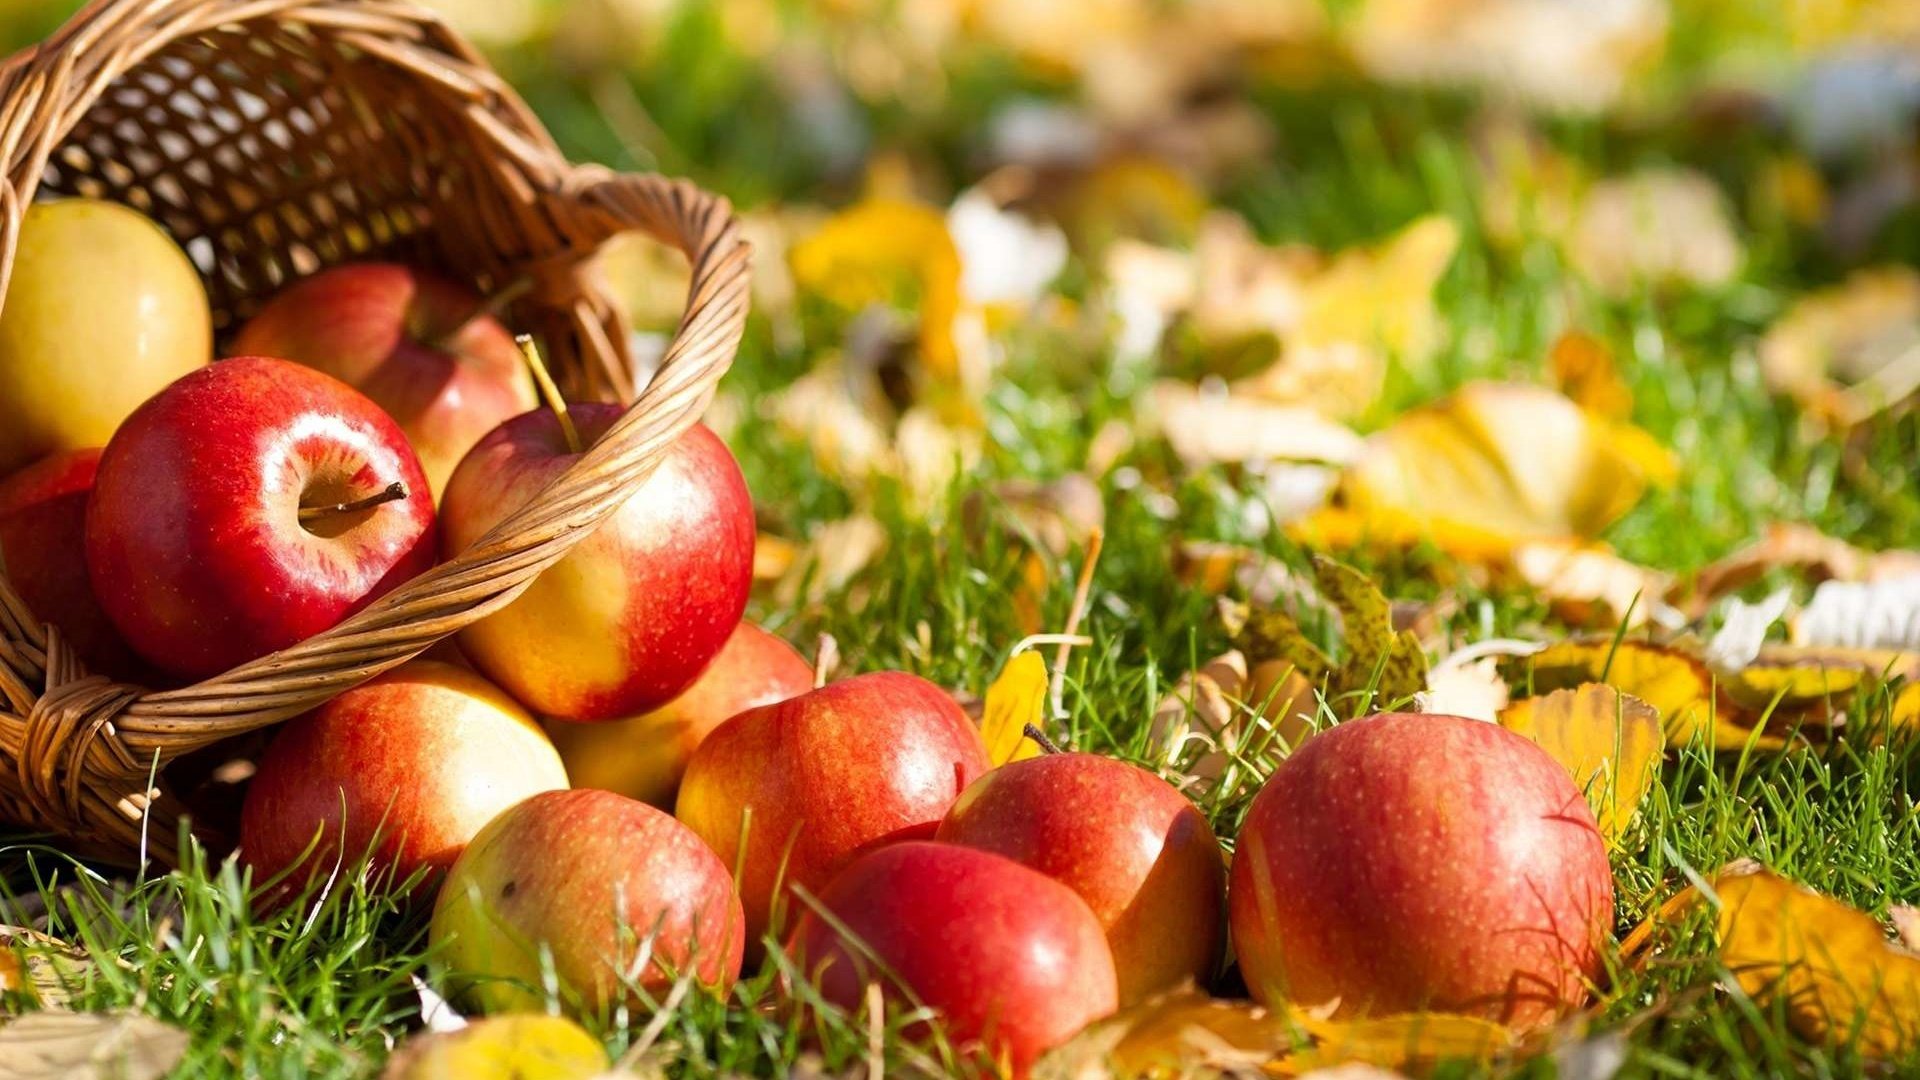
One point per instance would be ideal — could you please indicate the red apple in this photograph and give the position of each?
(408, 766)
(1136, 850)
(43, 518)
(637, 610)
(1411, 861)
(596, 880)
(1013, 961)
(643, 757)
(213, 534)
(815, 780)
(417, 344)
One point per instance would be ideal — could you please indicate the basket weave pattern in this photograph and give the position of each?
(273, 138)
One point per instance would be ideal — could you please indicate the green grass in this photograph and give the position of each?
(325, 988)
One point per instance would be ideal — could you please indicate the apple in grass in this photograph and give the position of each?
(643, 757)
(43, 516)
(408, 766)
(790, 793)
(594, 881)
(1410, 861)
(248, 506)
(1137, 851)
(630, 617)
(1014, 962)
(420, 346)
(102, 310)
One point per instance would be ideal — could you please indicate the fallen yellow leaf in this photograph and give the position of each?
(1611, 742)
(1583, 368)
(895, 253)
(1411, 1042)
(513, 1047)
(1848, 351)
(1018, 697)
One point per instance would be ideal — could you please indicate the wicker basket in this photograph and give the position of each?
(273, 138)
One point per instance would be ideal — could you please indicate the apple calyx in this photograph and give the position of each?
(549, 392)
(393, 492)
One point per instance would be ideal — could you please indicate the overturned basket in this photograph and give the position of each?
(273, 138)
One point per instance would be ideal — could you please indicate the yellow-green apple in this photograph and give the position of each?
(789, 793)
(417, 344)
(635, 611)
(597, 882)
(43, 517)
(1136, 850)
(406, 767)
(643, 757)
(1013, 961)
(1411, 861)
(248, 506)
(102, 310)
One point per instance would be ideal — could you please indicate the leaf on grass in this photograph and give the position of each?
(1473, 690)
(1380, 298)
(1587, 585)
(1655, 227)
(1676, 683)
(1207, 427)
(833, 556)
(1271, 634)
(1583, 369)
(89, 1046)
(513, 1047)
(1378, 656)
(1862, 615)
(1499, 463)
(1017, 698)
(39, 968)
(891, 253)
(1848, 351)
(1208, 718)
(1803, 548)
(1830, 965)
(1611, 742)
(1410, 1042)
(1215, 568)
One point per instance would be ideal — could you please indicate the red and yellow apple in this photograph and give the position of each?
(789, 793)
(632, 615)
(43, 517)
(418, 345)
(1137, 851)
(407, 767)
(1411, 861)
(643, 757)
(248, 506)
(102, 310)
(595, 881)
(1013, 961)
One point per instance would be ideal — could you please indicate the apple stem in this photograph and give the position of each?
(549, 391)
(393, 492)
(1047, 746)
(1056, 691)
(491, 305)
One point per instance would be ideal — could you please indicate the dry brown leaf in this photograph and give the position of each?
(1799, 547)
(89, 1046)
(1058, 514)
(1848, 351)
(1611, 742)
(39, 967)
(1496, 464)
(1841, 982)
(1589, 586)
(1658, 226)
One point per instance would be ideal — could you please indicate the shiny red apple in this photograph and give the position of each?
(408, 767)
(1411, 861)
(417, 344)
(813, 781)
(643, 757)
(1012, 960)
(43, 517)
(1137, 851)
(633, 614)
(251, 504)
(598, 882)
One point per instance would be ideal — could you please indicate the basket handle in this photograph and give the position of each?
(84, 727)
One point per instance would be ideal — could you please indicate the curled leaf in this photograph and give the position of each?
(1611, 742)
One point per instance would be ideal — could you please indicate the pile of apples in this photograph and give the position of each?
(612, 781)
